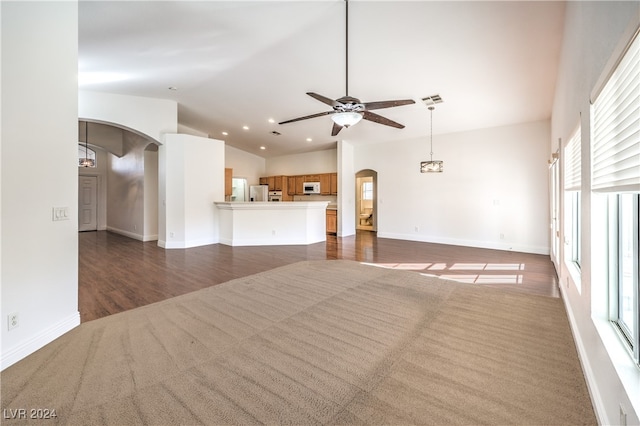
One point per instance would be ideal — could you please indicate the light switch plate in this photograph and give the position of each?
(60, 213)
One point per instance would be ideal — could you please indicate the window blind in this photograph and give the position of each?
(616, 128)
(572, 162)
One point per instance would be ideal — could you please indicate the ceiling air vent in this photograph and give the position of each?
(432, 100)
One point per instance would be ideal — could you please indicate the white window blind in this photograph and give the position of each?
(616, 128)
(572, 162)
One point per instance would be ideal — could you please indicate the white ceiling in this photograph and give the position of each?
(238, 63)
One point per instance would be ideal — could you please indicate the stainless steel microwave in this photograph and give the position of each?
(311, 188)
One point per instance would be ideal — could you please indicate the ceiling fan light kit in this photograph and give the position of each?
(432, 166)
(348, 110)
(346, 119)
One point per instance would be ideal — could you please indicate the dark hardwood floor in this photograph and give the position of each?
(117, 273)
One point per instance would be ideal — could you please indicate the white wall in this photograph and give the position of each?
(244, 164)
(150, 117)
(125, 188)
(150, 195)
(346, 189)
(301, 164)
(191, 171)
(191, 131)
(595, 33)
(39, 265)
(493, 192)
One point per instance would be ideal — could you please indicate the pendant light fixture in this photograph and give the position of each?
(87, 162)
(431, 166)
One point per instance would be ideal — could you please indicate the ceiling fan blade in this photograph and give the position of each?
(336, 129)
(324, 99)
(387, 104)
(320, 114)
(367, 115)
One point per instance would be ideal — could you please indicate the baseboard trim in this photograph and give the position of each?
(129, 234)
(466, 243)
(592, 386)
(244, 242)
(186, 244)
(41, 339)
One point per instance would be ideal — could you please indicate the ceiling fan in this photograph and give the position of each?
(348, 110)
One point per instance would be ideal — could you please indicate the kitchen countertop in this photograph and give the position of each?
(271, 205)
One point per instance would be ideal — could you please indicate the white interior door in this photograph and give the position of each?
(88, 203)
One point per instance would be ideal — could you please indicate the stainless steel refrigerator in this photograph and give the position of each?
(259, 193)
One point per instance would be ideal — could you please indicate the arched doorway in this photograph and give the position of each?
(367, 200)
(125, 169)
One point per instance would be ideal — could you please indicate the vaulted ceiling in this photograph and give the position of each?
(241, 63)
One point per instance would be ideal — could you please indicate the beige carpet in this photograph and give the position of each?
(325, 342)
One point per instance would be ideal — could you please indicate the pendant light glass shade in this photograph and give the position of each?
(432, 166)
(86, 161)
(346, 119)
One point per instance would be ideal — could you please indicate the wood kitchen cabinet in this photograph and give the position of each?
(332, 221)
(228, 182)
(286, 195)
(325, 184)
(300, 180)
(277, 183)
(291, 185)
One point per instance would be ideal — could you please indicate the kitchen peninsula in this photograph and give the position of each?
(272, 223)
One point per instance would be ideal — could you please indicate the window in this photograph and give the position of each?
(615, 150)
(86, 153)
(572, 185)
(574, 231)
(367, 190)
(627, 274)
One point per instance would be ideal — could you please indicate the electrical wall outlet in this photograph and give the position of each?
(12, 321)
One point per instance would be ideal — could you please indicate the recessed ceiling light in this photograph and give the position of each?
(263, 147)
(173, 88)
(245, 127)
(309, 139)
(271, 120)
(225, 133)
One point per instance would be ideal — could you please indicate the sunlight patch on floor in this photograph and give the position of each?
(485, 279)
(472, 278)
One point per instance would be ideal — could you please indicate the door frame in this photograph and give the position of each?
(362, 174)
